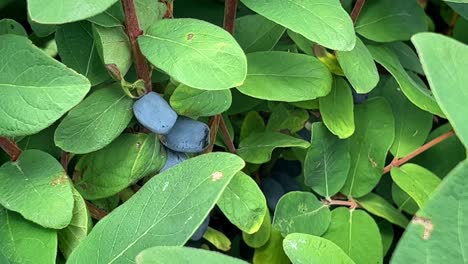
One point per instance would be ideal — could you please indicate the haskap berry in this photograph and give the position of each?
(201, 230)
(154, 113)
(187, 135)
(173, 158)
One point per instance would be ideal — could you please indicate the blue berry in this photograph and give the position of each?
(201, 230)
(173, 158)
(187, 135)
(154, 113)
(272, 190)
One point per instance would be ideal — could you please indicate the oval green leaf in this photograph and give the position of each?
(416, 181)
(261, 237)
(256, 33)
(359, 67)
(45, 186)
(297, 78)
(445, 62)
(25, 242)
(193, 102)
(166, 211)
(378, 206)
(95, 122)
(198, 54)
(337, 109)
(310, 19)
(368, 146)
(41, 88)
(110, 170)
(327, 163)
(301, 212)
(357, 234)
(243, 203)
(61, 12)
(258, 146)
(163, 255)
(304, 248)
(272, 252)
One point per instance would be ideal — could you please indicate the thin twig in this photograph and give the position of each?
(65, 159)
(227, 138)
(10, 147)
(350, 203)
(214, 125)
(96, 213)
(428, 145)
(230, 12)
(357, 10)
(134, 31)
(453, 22)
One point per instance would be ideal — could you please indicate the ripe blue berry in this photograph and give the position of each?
(154, 113)
(173, 158)
(187, 135)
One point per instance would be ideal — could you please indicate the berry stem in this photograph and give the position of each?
(428, 145)
(10, 147)
(134, 31)
(96, 213)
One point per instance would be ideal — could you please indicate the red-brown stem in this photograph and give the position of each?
(230, 12)
(227, 138)
(214, 125)
(65, 159)
(96, 213)
(350, 203)
(357, 10)
(133, 31)
(422, 3)
(453, 22)
(428, 145)
(10, 147)
(319, 51)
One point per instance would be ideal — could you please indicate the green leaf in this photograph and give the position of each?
(337, 109)
(59, 12)
(243, 203)
(407, 57)
(163, 255)
(261, 237)
(375, 131)
(302, 42)
(110, 170)
(42, 30)
(327, 162)
(391, 20)
(193, 102)
(416, 93)
(438, 231)
(445, 62)
(378, 206)
(272, 252)
(41, 88)
(112, 17)
(167, 210)
(297, 78)
(10, 26)
(301, 212)
(256, 33)
(257, 147)
(253, 122)
(241, 103)
(310, 19)
(304, 248)
(448, 153)
(359, 67)
(386, 231)
(403, 200)
(43, 140)
(207, 58)
(37, 187)
(357, 234)
(77, 50)
(412, 125)
(287, 117)
(217, 239)
(149, 12)
(71, 236)
(25, 242)
(113, 47)
(415, 180)
(95, 122)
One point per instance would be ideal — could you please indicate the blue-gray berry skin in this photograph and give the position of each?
(173, 158)
(154, 113)
(201, 230)
(288, 182)
(272, 190)
(359, 98)
(187, 135)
